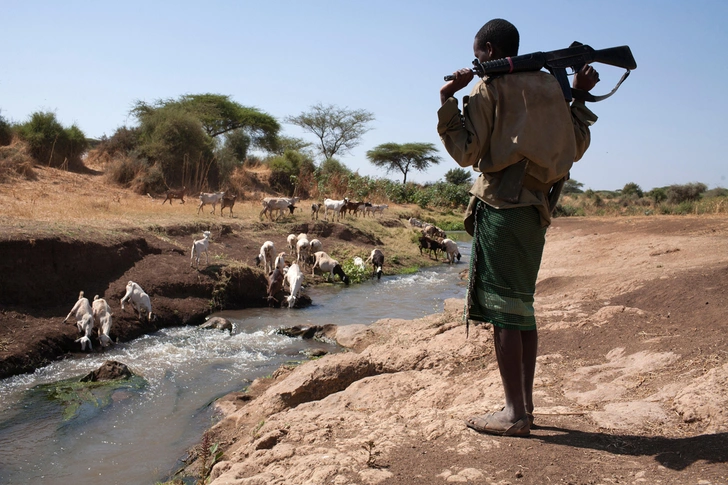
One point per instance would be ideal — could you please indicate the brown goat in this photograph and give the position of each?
(175, 194)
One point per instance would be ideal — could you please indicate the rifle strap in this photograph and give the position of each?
(587, 96)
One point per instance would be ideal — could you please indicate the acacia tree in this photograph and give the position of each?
(181, 137)
(338, 129)
(404, 157)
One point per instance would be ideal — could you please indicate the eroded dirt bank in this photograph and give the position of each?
(43, 275)
(631, 385)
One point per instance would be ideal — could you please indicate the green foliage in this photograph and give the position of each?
(572, 187)
(657, 195)
(50, 143)
(716, 192)
(632, 188)
(287, 169)
(458, 176)
(356, 274)
(676, 194)
(6, 132)
(123, 141)
(338, 129)
(404, 157)
(180, 137)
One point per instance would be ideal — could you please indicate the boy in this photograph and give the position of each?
(515, 127)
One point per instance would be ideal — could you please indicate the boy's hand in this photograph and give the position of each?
(586, 78)
(462, 79)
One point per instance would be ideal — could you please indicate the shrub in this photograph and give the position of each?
(50, 143)
(677, 194)
(124, 141)
(6, 132)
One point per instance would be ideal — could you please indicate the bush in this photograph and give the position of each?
(123, 141)
(6, 132)
(52, 144)
(676, 194)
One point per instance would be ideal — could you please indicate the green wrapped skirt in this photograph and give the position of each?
(504, 263)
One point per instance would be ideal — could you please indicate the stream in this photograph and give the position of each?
(140, 434)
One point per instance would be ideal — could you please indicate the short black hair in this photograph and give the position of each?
(501, 34)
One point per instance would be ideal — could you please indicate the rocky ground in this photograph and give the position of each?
(632, 379)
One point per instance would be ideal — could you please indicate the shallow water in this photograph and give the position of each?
(139, 435)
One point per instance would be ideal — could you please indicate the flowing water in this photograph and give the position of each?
(139, 434)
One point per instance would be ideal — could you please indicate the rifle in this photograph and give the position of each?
(556, 62)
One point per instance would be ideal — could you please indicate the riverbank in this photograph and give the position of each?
(631, 384)
(71, 232)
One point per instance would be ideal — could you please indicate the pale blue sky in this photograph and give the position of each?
(90, 61)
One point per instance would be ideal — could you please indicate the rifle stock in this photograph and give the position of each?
(556, 62)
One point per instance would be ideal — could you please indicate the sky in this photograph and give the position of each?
(89, 62)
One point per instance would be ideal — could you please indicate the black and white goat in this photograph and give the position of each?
(377, 260)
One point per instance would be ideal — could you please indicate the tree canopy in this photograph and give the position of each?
(338, 129)
(404, 157)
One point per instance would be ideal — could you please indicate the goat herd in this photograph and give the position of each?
(284, 277)
(285, 280)
(281, 204)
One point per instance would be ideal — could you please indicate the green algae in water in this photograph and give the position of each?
(74, 396)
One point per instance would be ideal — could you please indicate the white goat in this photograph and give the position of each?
(291, 240)
(84, 320)
(280, 262)
(280, 204)
(376, 208)
(102, 320)
(326, 264)
(267, 251)
(197, 249)
(294, 281)
(212, 199)
(335, 206)
(302, 250)
(138, 298)
(451, 249)
(315, 245)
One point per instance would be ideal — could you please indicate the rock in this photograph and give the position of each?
(110, 370)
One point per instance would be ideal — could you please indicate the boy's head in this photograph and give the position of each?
(497, 39)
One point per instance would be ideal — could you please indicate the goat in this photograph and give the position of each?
(84, 320)
(267, 250)
(315, 245)
(275, 286)
(81, 308)
(431, 245)
(210, 198)
(415, 222)
(197, 248)
(294, 279)
(376, 208)
(102, 320)
(335, 206)
(433, 232)
(175, 194)
(280, 262)
(138, 299)
(361, 209)
(377, 260)
(280, 204)
(228, 201)
(326, 264)
(451, 249)
(315, 208)
(302, 250)
(291, 240)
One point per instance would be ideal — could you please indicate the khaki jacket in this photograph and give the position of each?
(510, 118)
